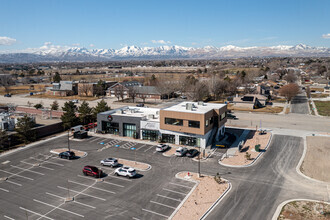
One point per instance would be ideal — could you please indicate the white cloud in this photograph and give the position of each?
(326, 36)
(193, 43)
(76, 45)
(7, 41)
(160, 42)
(92, 45)
(47, 43)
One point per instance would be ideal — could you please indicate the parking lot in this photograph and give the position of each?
(35, 184)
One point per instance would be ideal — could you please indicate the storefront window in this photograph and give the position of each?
(173, 121)
(110, 127)
(149, 135)
(189, 141)
(194, 124)
(130, 130)
(168, 138)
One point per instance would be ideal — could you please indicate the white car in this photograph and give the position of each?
(162, 147)
(181, 151)
(125, 171)
(112, 162)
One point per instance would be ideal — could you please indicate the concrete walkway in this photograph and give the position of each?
(234, 147)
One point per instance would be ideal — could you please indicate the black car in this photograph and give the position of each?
(231, 116)
(7, 95)
(192, 153)
(140, 105)
(67, 155)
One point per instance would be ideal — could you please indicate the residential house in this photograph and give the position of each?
(63, 88)
(121, 89)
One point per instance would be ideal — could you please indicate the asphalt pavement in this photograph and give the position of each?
(299, 104)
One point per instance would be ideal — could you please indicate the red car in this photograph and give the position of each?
(92, 171)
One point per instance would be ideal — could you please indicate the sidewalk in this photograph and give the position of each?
(234, 147)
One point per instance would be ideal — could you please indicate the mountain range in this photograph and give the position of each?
(51, 53)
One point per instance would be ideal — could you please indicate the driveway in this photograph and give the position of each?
(299, 104)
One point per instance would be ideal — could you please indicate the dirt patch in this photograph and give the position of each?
(305, 210)
(202, 198)
(78, 153)
(253, 139)
(81, 98)
(316, 162)
(136, 165)
(267, 109)
(14, 90)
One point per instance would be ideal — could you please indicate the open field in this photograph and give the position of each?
(318, 95)
(23, 89)
(316, 162)
(323, 107)
(305, 210)
(82, 98)
(267, 109)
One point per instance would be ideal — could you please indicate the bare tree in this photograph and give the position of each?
(6, 81)
(291, 77)
(289, 91)
(199, 91)
(119, 92)
(143, 97)
(132, 93)
(85, 89)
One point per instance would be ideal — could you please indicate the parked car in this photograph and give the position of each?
(183, 97)
(7, 95)
(192, 153)
(162, 147)
(75, 100)
(140, 105)
(67, 155)
(92, 171)
(231, 116)
(181, 151)
(112, 162)
(125, 171)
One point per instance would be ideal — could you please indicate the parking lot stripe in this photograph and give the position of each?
(163, 205)
(175, 191)
(58, 208)
(27, 170)
(136, 218)
(99, 138)
(8, 181)
(36, 213)
(149, 148)
(82, 193)
(181, 185)
(8, 217)
(166, 197)
(44, 161)
(93, 187)
(141, 147)
(15, 174)
(165, 216)
(113, 184)
(5, 162)
(121, 178)
(4, 190)
(54, 195)
(38, 166)
(73, 200)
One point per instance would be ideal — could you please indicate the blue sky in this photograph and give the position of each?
(114, 24)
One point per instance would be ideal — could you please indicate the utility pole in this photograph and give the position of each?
(199, 162)
(69, 139)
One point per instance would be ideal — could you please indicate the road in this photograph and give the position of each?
(299, 104)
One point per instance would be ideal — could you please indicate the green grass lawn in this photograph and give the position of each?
(323, 107)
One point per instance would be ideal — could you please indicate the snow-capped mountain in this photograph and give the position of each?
(64, 53)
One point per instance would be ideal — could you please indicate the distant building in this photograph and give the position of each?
(123, 88)
(251, 101)
(63, 88)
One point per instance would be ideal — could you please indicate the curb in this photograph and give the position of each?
(149, 166)
(255, 159)
(280, 206)
(192, 190)
(30, 145)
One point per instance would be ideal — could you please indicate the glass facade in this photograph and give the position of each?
(194, 124)
(189, 141)
(149, 135)
(110, 127)
(168, 138)
(173, 121)
(130, 130)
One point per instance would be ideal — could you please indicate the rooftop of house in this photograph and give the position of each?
(146, 90)
(194, 107)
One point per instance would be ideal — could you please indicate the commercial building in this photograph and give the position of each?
(187, 123)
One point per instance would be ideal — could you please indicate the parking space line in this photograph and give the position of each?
(181, 185)
(113, 184)
(165, 216)
(149, 148)
(65, 210)
(121, 178)
(8, 217)
(141, 147)
(5, 162)
(41, 215)
(80, 203)
(55, 195)
(15, 174)
(135, 218)
(8, 181)
(99, 138)
(4, 190)
(36, 166)
(93, 187)
(82, 193)
(86, 177)
(44, 161)
(163, 205)
(175, 191)
(27, 170)
(166, 197)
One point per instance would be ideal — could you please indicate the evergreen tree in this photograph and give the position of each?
(69, 117)
(57, 78)
(84, 112)
(101, 106)
(3, 139)
(54, 106)
(24, 129)
(37, 106)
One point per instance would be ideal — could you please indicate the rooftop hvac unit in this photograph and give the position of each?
(200, 103)
(150, 116)
(120, 111)
(157, 112)
(189, 106)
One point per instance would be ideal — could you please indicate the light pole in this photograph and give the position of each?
(199, 162)
(69, 139)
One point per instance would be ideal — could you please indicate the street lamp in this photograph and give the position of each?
(69, 139)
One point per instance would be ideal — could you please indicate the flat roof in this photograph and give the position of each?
(198, 107)
(128, 111)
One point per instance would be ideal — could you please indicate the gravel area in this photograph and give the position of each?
(202, 198)
(136, 165)
(77, 152)
(305, 210)
(253, 139)
(316, 162)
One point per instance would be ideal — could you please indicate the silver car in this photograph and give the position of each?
(112, 162)
(181, 151)
(162, 147)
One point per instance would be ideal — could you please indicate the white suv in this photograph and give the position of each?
(162, 147)
(112, 162)
(125, 171)
(181, 151)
